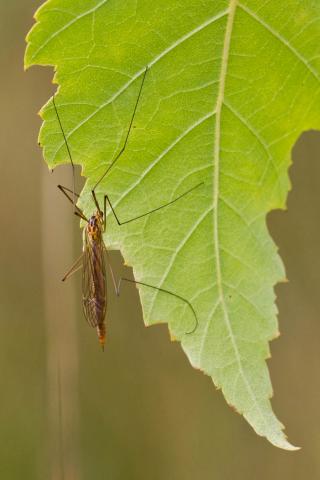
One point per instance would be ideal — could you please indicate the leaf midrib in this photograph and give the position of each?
(217, 136)
(216, 179)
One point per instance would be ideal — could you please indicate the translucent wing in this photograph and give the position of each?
(94, 292)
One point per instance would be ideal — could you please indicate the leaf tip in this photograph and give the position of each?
(285, 445)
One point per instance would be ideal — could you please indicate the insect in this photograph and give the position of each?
(94, 255)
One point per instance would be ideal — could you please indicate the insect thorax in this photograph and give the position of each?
(95, 226)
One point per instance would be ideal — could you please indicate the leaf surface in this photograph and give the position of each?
(230, 87)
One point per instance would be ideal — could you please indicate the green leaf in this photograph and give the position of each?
(231, 85)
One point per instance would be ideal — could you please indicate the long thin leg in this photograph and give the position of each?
(68, 150)
(111, 271)
(77, 210)
(75, 267)
(150, 211)
(165, 291)
(104, 213)
(117, 290)
(68, 190)
(128, 132)
(96, 202)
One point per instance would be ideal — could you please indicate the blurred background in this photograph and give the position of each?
(138, 411)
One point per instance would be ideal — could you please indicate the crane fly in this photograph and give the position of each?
(92, 262)
(93, 257)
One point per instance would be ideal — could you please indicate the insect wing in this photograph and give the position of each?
(94, 298)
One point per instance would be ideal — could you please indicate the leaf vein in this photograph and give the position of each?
(174, 45)
(65, 27)
(176, 252)
(205, 330)
(170, 147)
(283, 40)
(258, 137)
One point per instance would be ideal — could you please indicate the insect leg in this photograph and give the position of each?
(66, 189)
(75, 267)
(68, 150)
(117, 290)
(150, 211)
(96, 202)
(116, 287)
(77, 210)
(128, 132)
(165, 291)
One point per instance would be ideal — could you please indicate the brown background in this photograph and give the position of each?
(139, 411)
